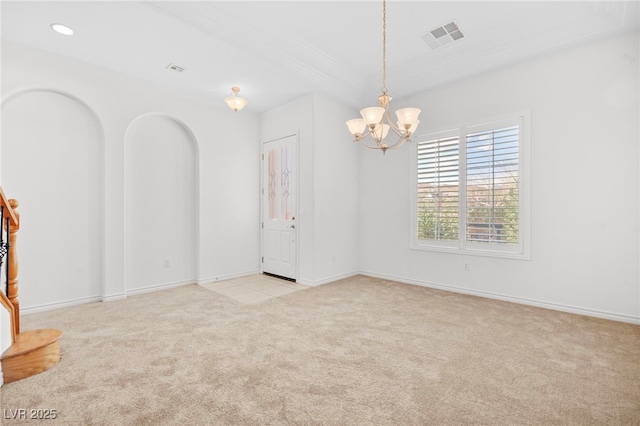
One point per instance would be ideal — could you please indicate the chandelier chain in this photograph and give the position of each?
(376, 122)
(384, 47)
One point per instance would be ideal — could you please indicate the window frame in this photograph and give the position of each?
(521, 250)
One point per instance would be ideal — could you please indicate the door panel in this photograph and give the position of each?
(285, 247)
(279, 183)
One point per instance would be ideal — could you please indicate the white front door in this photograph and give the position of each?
(279, 189)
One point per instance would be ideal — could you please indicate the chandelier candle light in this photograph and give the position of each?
(376, 121)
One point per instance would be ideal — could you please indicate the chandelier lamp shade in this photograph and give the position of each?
(373, 128)
(234, 101)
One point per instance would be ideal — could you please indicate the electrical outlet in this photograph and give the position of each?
(467, 266)
(166, 263)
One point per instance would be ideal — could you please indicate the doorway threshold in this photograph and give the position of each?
(279, 276)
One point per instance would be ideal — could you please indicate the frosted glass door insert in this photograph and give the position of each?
(280, 183)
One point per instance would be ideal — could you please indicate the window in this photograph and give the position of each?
(471, 189)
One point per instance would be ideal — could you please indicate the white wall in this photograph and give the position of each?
(161, 163)
(328, 170)
(584, 189)
(336, 169)
(226, 153)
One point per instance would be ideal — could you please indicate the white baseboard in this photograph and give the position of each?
(227, 277)
(327, 280)
(26, 310)
(519, 300)
(157, 287)
(114, 297)
(58, 305)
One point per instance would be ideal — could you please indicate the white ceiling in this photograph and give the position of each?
(278, 50)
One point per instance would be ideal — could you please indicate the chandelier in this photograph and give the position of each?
(376, 121)
(234, 101)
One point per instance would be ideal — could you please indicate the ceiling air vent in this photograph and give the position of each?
(442, 35)
(174, 67)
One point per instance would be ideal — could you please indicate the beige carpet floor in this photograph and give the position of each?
(360, 351)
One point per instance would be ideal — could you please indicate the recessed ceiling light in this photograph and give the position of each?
(61, 29)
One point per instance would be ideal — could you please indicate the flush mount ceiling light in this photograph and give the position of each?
(376, 121)
(61, 29)
(234, 101)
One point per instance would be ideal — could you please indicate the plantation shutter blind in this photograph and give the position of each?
(438, 189)
(492, 184)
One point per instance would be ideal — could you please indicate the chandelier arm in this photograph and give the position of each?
(400, 132)
(395, 128)
(397, 144)
(364, 135)
(384, 147)
(378, 145)
(364, 139)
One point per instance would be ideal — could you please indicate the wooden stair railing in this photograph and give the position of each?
(11, 224)
(34, 351)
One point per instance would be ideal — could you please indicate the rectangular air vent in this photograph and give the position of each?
(443, 35)
(174, 67)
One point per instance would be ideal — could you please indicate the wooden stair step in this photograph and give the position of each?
(33, 352)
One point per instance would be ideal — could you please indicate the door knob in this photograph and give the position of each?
(292, 227)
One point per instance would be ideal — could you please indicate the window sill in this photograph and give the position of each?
(487, 252)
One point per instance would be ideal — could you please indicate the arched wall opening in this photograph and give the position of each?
(52, 162)
(161, 203)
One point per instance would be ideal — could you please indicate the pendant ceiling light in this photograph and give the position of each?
(376, 121)
(234, 101)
